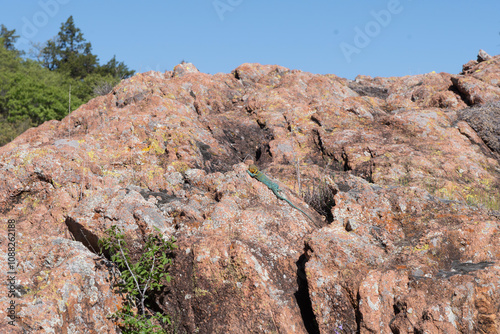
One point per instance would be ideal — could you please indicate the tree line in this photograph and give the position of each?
(36, 89)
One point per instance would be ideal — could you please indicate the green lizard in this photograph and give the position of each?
(254, 172)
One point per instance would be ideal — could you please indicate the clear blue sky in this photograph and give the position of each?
(343, 37)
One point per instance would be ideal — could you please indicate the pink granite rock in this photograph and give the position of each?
(403, 193)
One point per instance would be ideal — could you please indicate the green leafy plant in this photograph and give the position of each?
(139, 280)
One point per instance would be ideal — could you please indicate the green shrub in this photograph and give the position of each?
(10, 130)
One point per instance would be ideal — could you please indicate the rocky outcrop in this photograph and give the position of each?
(484, 119)
(400, 176)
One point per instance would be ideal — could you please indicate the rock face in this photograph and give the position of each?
(400, 175)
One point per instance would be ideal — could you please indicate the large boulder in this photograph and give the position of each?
(399, 175)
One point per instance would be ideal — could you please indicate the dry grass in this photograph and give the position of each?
(320, 196)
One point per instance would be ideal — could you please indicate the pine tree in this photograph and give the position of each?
(70, 52)
(8, 39)
(116, 69)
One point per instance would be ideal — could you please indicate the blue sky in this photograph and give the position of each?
(343, 37)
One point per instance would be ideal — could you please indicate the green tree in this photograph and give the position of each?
(38, 94)
(32, 92)
(49, 55)
(10, 63)
(116, 69)
(70, 52)
(10, 130)
(9, 39)
(88, 88)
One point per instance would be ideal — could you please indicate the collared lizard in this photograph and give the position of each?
(254, 172)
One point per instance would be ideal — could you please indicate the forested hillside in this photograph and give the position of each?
(53, 80)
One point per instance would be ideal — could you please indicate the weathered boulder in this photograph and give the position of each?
(485, 120)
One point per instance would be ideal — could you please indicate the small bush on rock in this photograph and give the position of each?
(139, 280)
